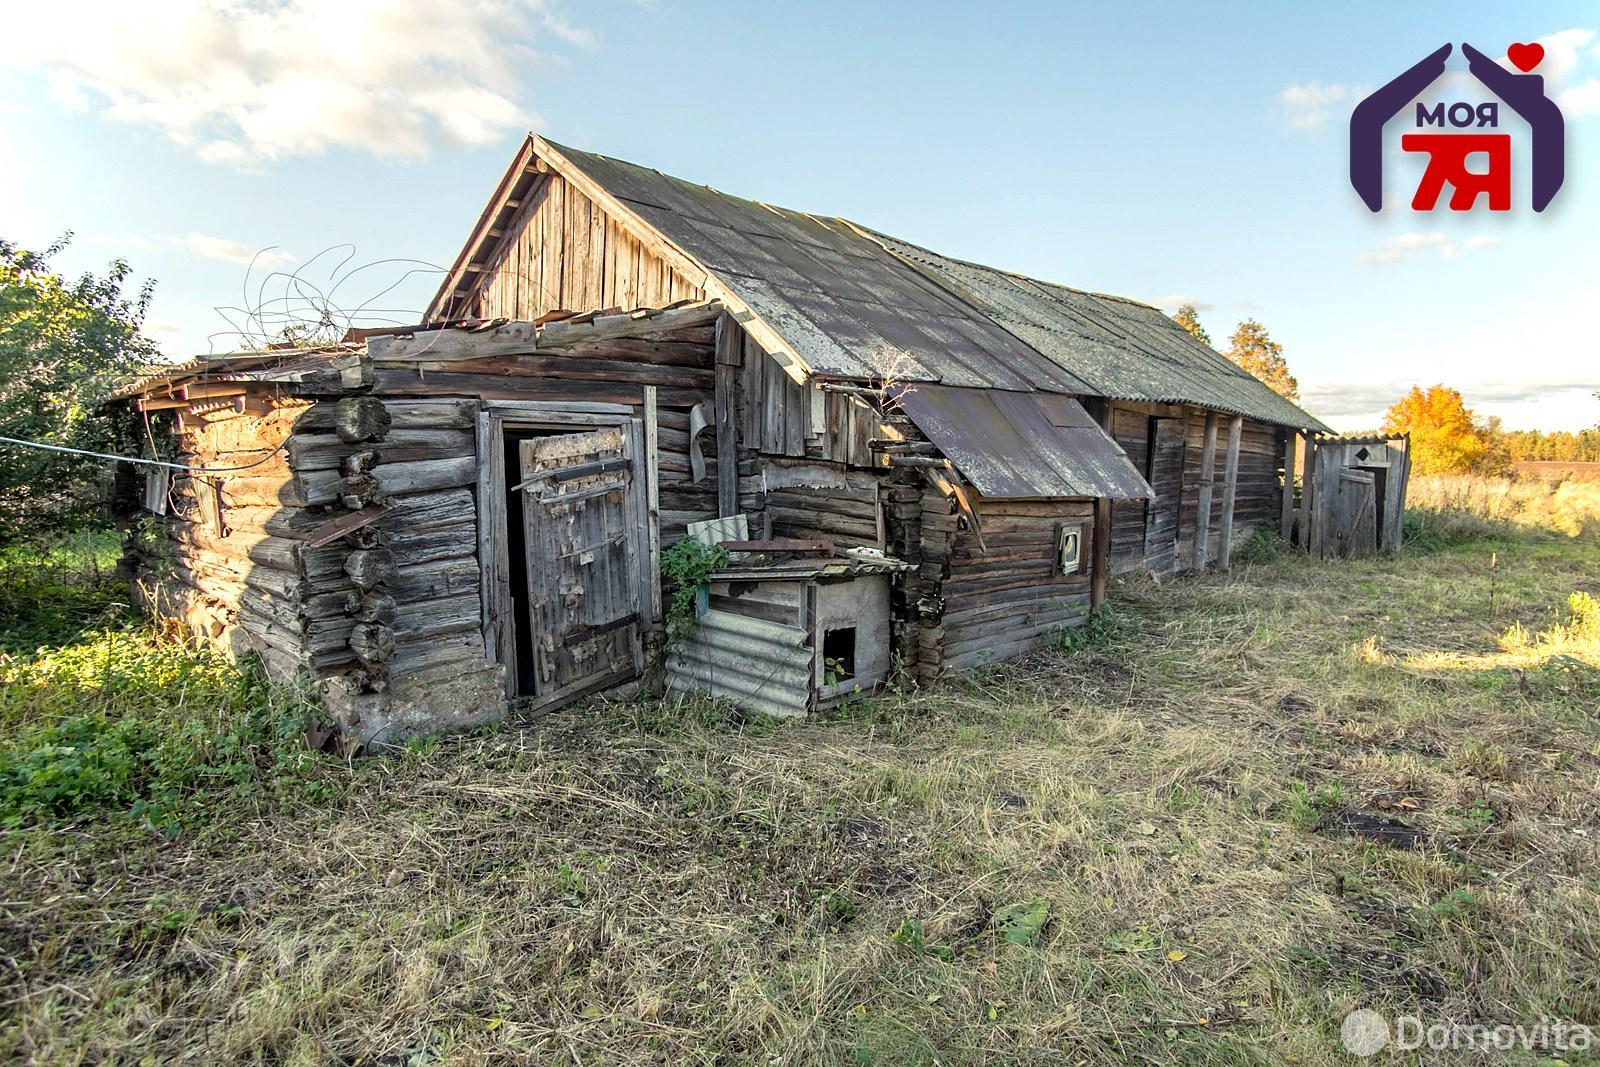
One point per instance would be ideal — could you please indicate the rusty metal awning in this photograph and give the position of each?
(1023, 445)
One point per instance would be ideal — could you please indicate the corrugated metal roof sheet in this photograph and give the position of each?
(1121, 348)
(846, 305)
(856, 303)
(758, 664)
(1012, 445)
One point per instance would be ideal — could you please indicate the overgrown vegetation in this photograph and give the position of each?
(685, 565)
(1247, 805)
(63, 345)
(1458, 508)
(104, 714)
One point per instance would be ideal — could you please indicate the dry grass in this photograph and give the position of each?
(1563, 504)
(626, 884)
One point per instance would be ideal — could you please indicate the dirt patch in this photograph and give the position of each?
(1380, 828)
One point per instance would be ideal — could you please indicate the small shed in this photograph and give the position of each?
(1354, 496)
(432, 521)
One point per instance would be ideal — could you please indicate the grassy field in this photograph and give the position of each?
(1243, 806)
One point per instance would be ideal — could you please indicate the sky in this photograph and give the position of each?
(1169, 152)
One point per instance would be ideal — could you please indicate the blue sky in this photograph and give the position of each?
(1158, 151)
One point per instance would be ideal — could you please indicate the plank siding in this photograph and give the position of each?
(565, 253)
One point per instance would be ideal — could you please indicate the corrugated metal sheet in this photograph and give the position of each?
(846, 304)
(859, 304)
(1012, 445)
(760, 665)
(1121, 348)
(272, 366)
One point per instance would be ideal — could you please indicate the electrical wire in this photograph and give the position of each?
(140, 459)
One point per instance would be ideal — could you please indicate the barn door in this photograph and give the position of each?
(581, 523)
(1165, 475)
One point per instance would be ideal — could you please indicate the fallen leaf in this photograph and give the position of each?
(1144, 829)
(1176, 956)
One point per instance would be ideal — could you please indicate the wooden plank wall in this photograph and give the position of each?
(1257, 497)
(1131, 430)
(564, 252)
(999, 603)
(677, 361)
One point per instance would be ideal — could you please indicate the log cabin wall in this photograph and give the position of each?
(231, 573)
(568, 253)
(980, 603)
(349, 551)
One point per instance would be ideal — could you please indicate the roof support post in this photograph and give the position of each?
(1208, 468)
(1099, 409)
(729, 349)
(1286, 505)
(1308, 499)
(1230, 483)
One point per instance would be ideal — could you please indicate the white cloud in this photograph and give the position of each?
(1312, 105)
(1408, 246)
(1580, 100)
(220, 248)
(1564, 52)
(1173, 301)
(245, 82)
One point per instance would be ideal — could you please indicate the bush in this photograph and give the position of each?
(1262, 546)
(64, 345)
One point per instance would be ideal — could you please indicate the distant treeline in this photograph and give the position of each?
(1559, 446)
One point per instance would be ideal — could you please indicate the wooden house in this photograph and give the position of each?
(430, 521)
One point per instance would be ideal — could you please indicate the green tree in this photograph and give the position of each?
(1444, 438)
(1253, 349)
(1189, 319)
(63, 346)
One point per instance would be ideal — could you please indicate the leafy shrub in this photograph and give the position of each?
(684, 569)
(63, 346)
(1262, 546)
(1099, 629)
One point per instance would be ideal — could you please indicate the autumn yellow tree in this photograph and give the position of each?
(1187, 317)
(1444, 438)
(1252, 348)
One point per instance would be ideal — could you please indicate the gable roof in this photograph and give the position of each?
(830, 298)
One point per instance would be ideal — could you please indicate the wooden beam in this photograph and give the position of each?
(1286, 505)
(1308, 498)
(1099, 409)
(1208, 467)
(652, 475)
(347, 523)
(1230, 483)
(729, 349)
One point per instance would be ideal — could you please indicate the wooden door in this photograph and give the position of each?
(1165, 475)
(1131, 430)
(582, 526)
(1352, 514)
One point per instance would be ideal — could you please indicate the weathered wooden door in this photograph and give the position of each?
(582, 524)
(1165, 475)
(1351, 511)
